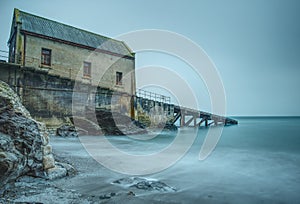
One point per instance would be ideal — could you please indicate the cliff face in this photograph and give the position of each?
(24, 148)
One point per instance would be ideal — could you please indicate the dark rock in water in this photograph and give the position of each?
(153, 185)
(107, 196)
(144, 184)
(66, 131)
(21, 139)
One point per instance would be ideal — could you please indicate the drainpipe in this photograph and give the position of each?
(18, 51)
(133, 91)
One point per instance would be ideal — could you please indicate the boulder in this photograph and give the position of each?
(48, 161)
(56, 172)
(144, 184)
(21, 138)
(24, 142)
(66, 131)
(70, 169)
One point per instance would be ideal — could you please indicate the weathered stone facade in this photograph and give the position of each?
(69, 48)
(67, 61)
(52, 99)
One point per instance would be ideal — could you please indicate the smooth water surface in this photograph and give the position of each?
(257, 161)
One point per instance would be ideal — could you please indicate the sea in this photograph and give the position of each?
(256, 161)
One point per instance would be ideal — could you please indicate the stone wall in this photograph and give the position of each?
(53, 99)
(153, 113)
(67, 61)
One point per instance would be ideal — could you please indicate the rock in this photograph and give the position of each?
(48, 161)
(8, 163)
(24, 143)
(9, 100)
(66, 131)
(20, 136)
(70, 169)
(107, 196)
(153, 185)
(130, 193)
(56, 172)
(44, 133)
(144, 184)
(47, 150)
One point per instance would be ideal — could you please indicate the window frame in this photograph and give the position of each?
(46, 57)
(119, 78)
(87, 69)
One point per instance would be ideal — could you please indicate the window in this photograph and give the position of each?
(46, 57)
(119, 76)
(87, 69)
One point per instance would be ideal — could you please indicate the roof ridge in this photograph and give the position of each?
(70, 26)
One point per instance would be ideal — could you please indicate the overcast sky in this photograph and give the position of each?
(254, 44)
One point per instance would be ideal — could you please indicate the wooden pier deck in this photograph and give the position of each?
(195, 118)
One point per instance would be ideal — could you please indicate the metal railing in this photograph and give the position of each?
(18, 58)
(153, 96)
(4, 55)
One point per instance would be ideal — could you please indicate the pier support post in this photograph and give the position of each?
(182, 119)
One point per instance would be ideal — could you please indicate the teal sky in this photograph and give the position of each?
(254, 44)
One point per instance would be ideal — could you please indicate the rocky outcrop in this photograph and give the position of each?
(24, 142)
(21, 138)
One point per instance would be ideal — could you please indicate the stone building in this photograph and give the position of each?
(60, 71)
(69, 52)
(54, 66)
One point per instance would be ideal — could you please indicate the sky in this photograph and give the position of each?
(254, 44)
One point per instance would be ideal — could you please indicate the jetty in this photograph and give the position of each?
(187, 117)
(195, 118)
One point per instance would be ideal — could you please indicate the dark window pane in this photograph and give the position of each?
(46, 57)
(87, 69)
(119, 76)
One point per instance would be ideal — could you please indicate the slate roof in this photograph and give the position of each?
(50, 28)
